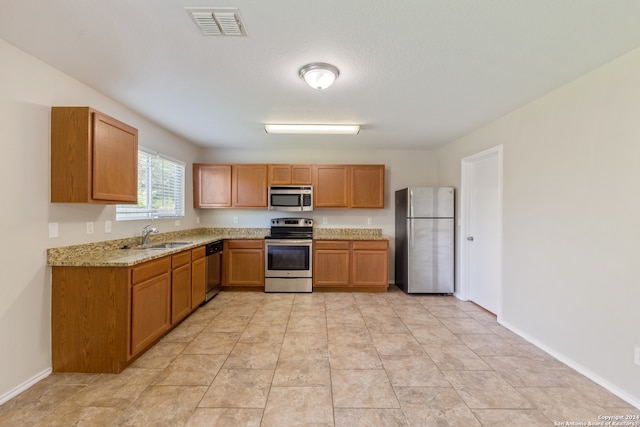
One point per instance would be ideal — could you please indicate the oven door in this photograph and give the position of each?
(288, 258)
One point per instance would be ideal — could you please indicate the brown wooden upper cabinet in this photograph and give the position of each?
(94, 157)
(366, 186)
(211, 186)
(249, 186)
(290, 174)
(246, 185)
(331, 189)
(349, 186)
(227, 186)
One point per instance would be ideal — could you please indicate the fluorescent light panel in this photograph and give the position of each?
(314, 129)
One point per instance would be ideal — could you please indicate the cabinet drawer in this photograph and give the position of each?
(197, 253)
(246, 244)
(181, 258)
(370, 244)
(150, 269)
(331, 244)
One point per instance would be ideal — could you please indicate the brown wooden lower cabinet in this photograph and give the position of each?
(243, 264)
(198, 276)
(102, 318)
(353, 266)
(180, 286)
(331, 261)
(150, 303)
(90, 326)
(370, 263)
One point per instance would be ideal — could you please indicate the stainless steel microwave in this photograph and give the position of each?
(291, 198)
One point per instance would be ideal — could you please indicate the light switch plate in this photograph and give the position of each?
(107, 226)
(90, 228)
(235, 219)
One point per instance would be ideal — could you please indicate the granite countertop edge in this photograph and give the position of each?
(126, 253)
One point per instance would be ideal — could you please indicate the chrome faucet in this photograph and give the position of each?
(145, 233)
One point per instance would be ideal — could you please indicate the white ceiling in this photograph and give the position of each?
(414, 73)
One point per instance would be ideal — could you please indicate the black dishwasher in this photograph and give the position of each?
(214, 269)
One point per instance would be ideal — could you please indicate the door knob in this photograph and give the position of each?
(470, 238)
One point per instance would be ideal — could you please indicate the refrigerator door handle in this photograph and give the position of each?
(410, 233)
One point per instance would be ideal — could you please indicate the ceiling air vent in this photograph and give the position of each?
(219, 21)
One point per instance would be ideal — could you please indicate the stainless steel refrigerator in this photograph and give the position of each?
(424, 240)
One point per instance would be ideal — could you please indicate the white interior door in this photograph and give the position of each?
(481, 256)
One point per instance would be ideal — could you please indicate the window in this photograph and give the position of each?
(160, 188)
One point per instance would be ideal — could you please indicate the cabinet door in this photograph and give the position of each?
(115, 160)
(150, 311)
(301, 174)
(180, 292)
(198, 276)
(244, 262)
(211, 186)
(366, 186)
(249, 186)
(331, 263)
(370, 264)
(290, 174)
(331, 186)
(279, 174)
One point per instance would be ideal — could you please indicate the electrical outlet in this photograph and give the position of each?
(324, 220)
(89, 228)
(107, 226)
(235, 219)
(53, 230)
(197, 220)
(177, 223)
(636, 355)
(369, 221)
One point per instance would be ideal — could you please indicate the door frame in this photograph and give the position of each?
(465, 209)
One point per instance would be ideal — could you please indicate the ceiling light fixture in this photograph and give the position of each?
(313, 129)
(319, 75)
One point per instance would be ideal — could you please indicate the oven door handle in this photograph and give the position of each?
(287, 242)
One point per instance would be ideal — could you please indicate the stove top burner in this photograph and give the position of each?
(291, 228)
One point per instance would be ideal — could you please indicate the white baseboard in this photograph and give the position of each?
(25, 385)
(574, 365)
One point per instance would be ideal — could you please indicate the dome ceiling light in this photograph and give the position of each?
(319, 75)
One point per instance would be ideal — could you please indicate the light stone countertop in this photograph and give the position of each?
(348, 234)
(125, 253)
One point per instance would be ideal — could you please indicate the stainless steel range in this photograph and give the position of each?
(288, 255)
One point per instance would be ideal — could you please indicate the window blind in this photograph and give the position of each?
(160, 188)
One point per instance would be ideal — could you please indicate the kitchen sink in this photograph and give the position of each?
(169, 245)
(165, 245)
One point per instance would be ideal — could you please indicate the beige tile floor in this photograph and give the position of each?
(326, 359)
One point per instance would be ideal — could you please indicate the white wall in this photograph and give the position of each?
(571, 275)
(28, 89)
